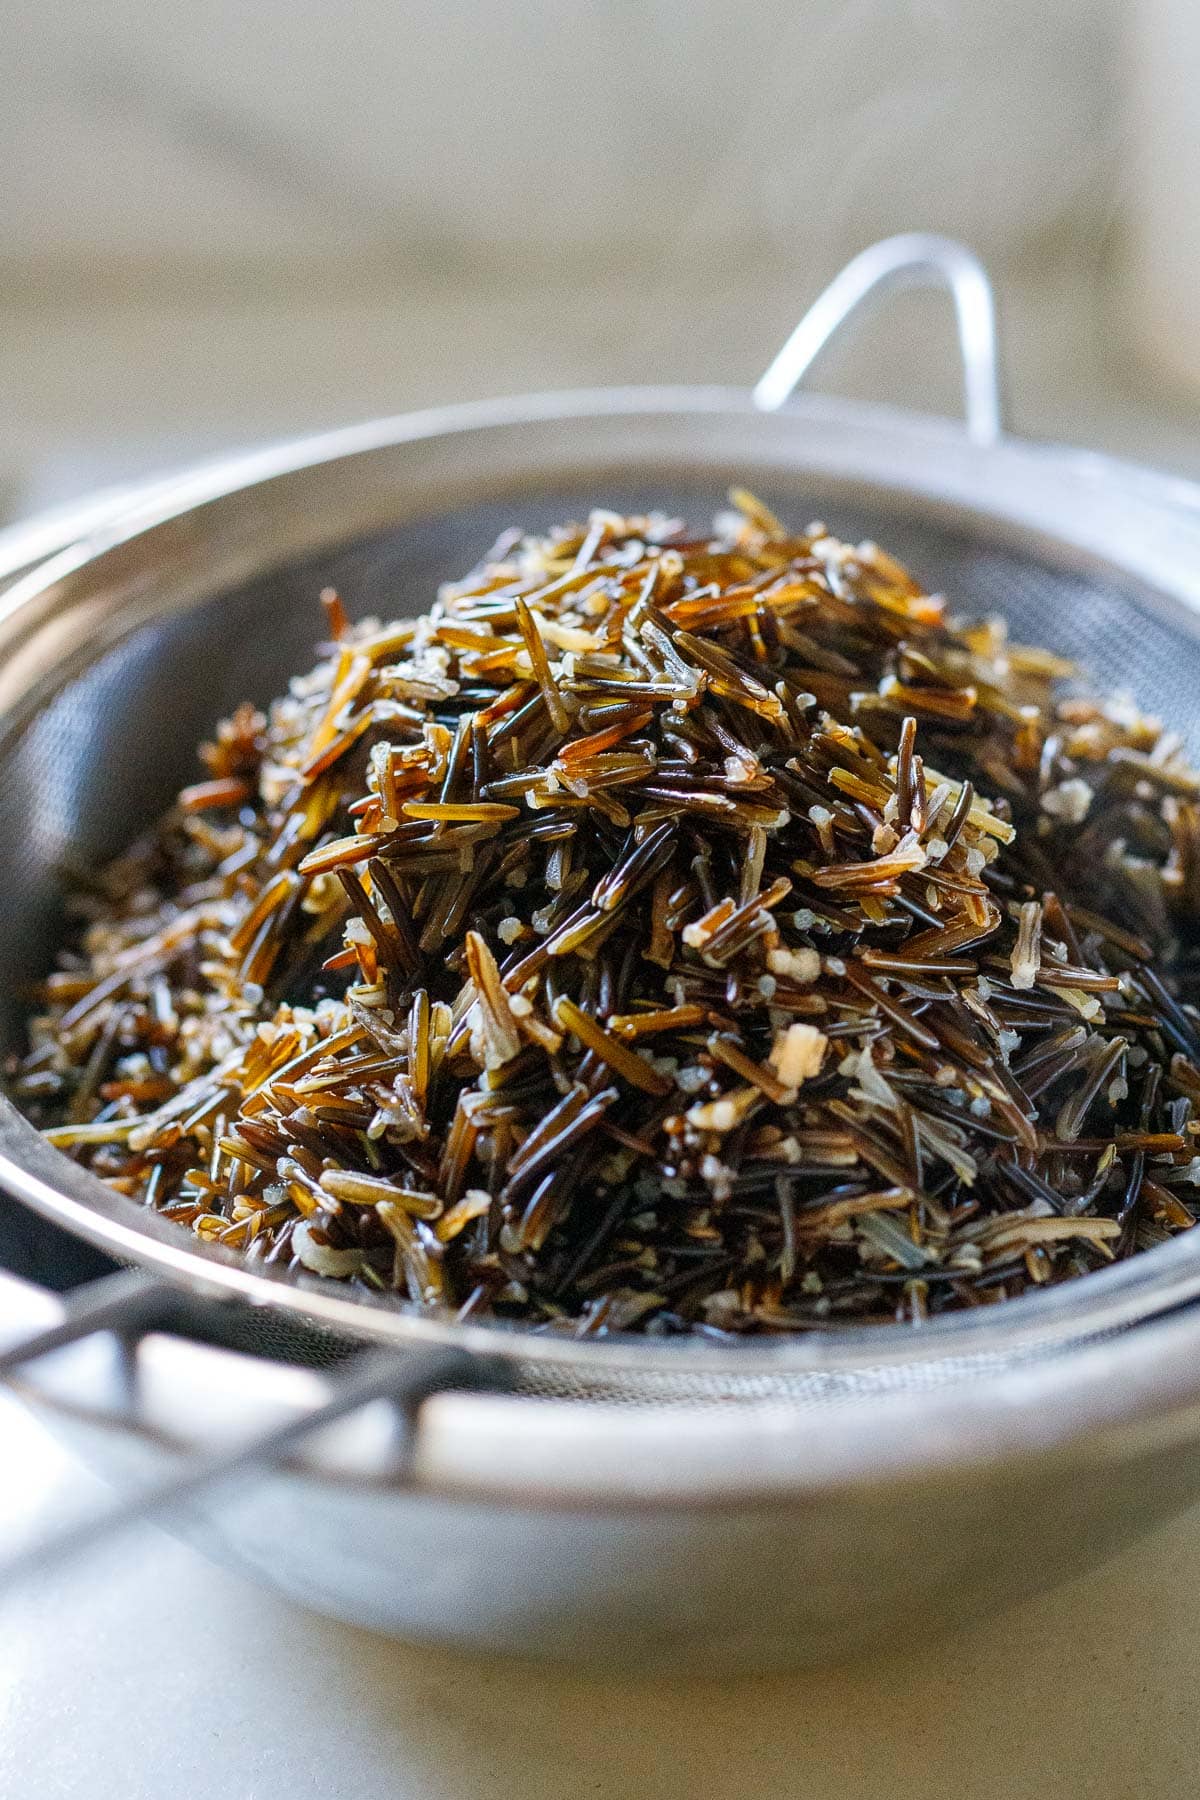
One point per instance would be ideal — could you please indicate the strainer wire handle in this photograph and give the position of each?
(131, 1305)
(920, 257)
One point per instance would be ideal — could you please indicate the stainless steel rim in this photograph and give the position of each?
(191, 1397)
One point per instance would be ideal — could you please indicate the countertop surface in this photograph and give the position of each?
(147, 1673)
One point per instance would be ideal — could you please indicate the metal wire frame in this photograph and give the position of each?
(130, 1305)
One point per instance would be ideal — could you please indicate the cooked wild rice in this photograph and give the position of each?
(664, 932)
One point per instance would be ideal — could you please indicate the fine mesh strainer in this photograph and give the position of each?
(115, 657)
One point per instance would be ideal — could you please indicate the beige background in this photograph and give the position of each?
(291, 133)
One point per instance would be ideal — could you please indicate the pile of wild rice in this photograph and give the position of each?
(671, 932)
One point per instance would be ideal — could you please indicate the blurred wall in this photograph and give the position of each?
(457, 136)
